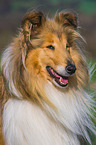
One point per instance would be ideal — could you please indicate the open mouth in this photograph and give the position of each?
(59, 79)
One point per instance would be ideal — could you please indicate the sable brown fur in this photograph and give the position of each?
(25, 73)
(2, 102)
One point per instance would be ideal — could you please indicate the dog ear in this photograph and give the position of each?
(67, 19)
(31, 25)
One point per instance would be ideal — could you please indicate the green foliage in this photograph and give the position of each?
(54, 1)
(19, 5)
(93, 64)
(88, 6)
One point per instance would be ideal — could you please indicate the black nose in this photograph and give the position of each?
(70, 69)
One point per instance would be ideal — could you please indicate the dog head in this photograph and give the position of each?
(45, 51)
(53, 54)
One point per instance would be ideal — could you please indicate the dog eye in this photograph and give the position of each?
(50, 47)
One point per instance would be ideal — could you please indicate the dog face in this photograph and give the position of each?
(45, 51)
(54, 54)
(45, 66)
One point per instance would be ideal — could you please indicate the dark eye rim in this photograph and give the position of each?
(51, 47)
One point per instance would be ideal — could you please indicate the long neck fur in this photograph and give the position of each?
(26, 123)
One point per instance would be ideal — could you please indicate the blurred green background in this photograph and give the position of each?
(12, 12)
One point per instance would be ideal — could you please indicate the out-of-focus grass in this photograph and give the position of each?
(87, 6)
(93, 80)
(92, 65)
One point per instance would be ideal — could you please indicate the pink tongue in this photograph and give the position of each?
(57, 75)
(63, 81)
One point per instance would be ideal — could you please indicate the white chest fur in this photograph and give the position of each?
(26, 124)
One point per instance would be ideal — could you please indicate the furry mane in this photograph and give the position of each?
(61, 101)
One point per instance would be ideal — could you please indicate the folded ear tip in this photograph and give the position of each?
(67, 18)
(72, 19)
(35, 17)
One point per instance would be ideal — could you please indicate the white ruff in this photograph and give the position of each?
(8, 70)
(24, 123)
(73, 109)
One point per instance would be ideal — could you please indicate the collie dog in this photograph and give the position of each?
(45, 75)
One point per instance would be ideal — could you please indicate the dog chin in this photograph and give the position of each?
(59, 86)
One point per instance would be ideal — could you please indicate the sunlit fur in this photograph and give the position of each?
(36, 110)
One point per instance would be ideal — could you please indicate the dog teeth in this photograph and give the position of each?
(63, 81)
(60, 80)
